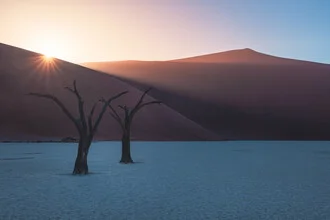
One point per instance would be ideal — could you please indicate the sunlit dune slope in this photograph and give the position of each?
(243, 56)
(246, 96)
(23, 117)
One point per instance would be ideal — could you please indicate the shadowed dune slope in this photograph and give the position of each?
(241, 98)
(24, 117)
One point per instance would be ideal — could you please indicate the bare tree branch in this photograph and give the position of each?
(123, 107)
(90, 118)
(74, 90)
(70, 90)
(143, 105)
(114, 111)
(104, 108)
(112, 98)
(61, 105)
(115, 115)
(117, 120)
(102, 100)
(127, 112)
(149, 103)
(80, 104)
(117, 96)
(93, 110)
(141, 99)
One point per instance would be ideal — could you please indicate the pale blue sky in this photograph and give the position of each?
(94, 30)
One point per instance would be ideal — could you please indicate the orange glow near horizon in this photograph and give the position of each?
(52, 44)
(86, 31)
(112, 30)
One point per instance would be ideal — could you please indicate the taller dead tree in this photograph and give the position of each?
(125, 123)
(84, 125)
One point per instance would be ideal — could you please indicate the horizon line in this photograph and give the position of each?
(167, 60)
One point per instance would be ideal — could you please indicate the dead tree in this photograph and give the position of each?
(84, 125)
(125, 124)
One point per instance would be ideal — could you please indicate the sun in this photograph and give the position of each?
(49, 52)
(48, 58)
(50, 49)
(53, 44)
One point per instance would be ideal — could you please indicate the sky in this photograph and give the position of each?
(108, 30)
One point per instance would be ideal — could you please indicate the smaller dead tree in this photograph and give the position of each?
(126, 122)
(84, 125)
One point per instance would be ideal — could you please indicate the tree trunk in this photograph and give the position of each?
(126, 149)
(81, 166)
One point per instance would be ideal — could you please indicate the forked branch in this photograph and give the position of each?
(141, 99)
(129, 113)
(134, 111)
(104, 108)
(116, 116)
(74, 90)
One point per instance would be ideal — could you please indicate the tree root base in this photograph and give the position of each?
(126, 161)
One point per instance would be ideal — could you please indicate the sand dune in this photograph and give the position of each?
(24, 117)
(243, 56)
(240, 94)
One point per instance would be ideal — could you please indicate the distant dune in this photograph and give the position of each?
(24, 117)
(240, 94)
(243, 56)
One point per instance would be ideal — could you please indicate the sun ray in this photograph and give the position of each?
(45, 65)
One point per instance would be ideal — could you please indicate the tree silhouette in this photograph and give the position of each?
(126, 123)
(84, 125)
